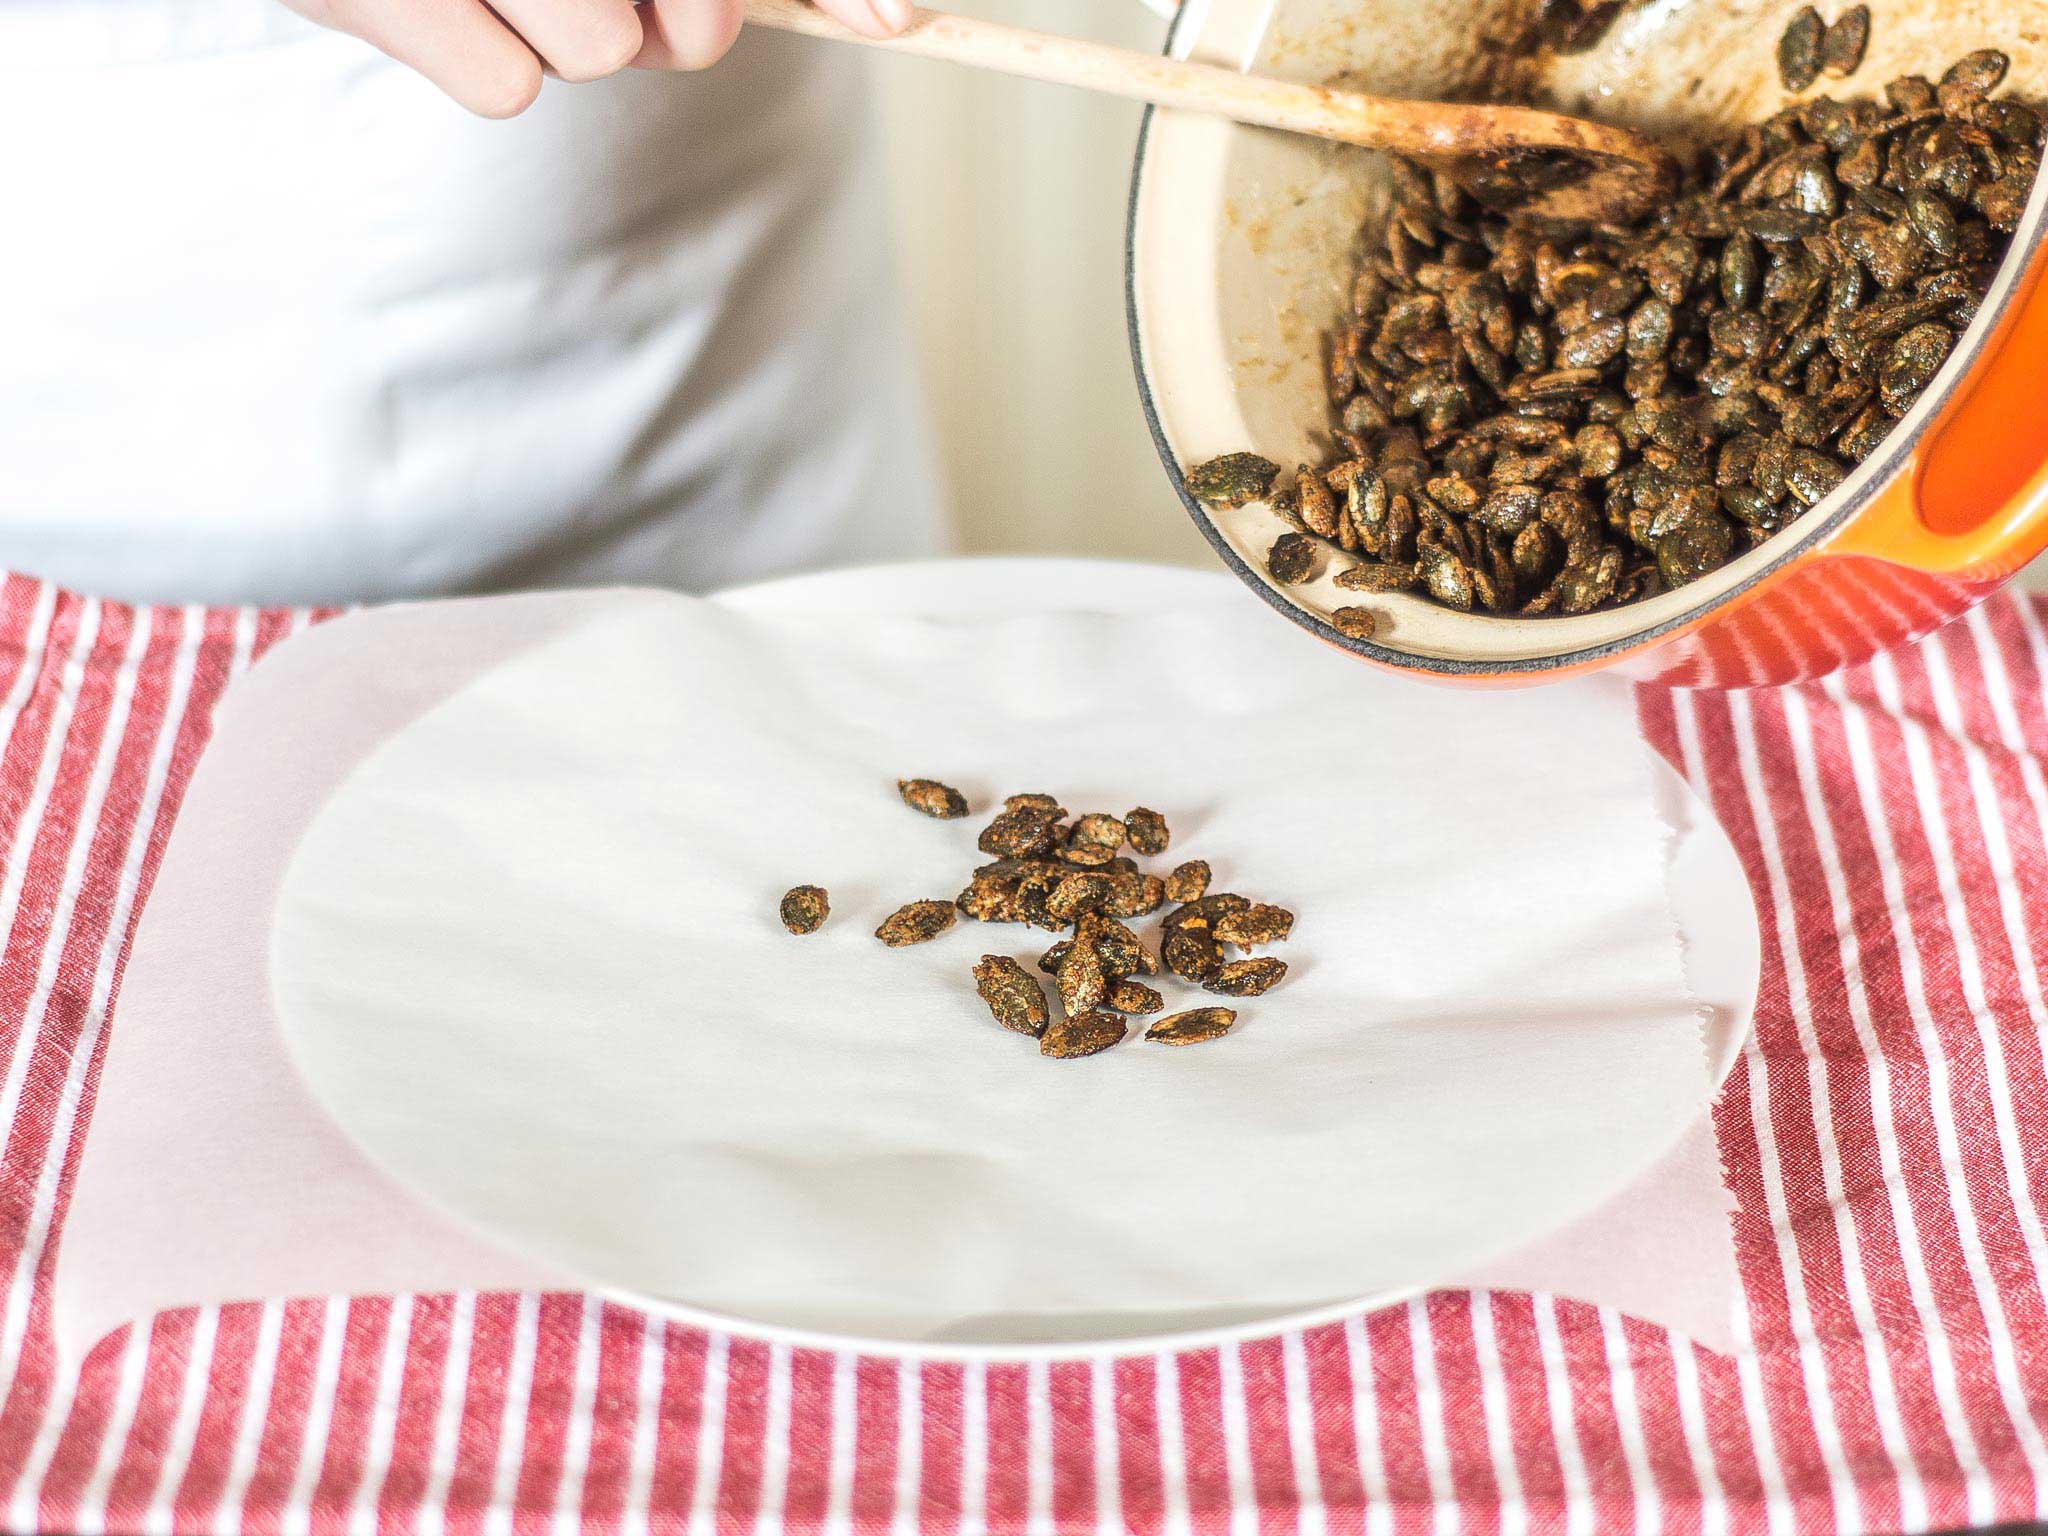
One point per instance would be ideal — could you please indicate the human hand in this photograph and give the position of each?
(491, 58)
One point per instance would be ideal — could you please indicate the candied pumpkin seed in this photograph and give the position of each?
(1128, 996)
(1147, 830)
(1232, 480)
(940, 801)
(1097, 959)
(915, 922)
(1258, 923)
(1084, 1034)
(1192, 1027)
(1247, 978)
(1799, 49)
(1188, 881)
(805, 908)
(1012, 994)
(1842, 45)
(1354, 623)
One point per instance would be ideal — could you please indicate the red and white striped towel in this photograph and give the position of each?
(1886, 1136)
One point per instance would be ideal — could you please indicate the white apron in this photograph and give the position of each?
(279, 323)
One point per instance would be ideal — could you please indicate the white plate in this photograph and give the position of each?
(396, 1112)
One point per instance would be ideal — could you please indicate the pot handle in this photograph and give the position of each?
(1974, 502)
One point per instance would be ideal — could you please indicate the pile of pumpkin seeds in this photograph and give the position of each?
(1071, 878)
(1552, 421)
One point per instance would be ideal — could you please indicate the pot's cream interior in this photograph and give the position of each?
(1244, 240)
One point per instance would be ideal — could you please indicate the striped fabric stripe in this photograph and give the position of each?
(1886, 1136)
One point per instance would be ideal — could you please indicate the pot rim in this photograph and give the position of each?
(1864, 483)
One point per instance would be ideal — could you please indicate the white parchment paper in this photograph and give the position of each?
(527, 958)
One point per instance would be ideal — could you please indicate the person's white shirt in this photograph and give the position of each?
(283, 324)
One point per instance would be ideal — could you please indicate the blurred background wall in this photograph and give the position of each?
(1009, 203)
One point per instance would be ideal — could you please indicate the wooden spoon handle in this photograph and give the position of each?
(1116, 71)
(1621, 175)
(1424, 128)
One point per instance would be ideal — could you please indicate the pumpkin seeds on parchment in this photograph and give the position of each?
(1069, 876)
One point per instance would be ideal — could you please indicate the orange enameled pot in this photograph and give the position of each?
(1241, 247)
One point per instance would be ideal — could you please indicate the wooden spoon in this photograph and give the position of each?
(1540, 165)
